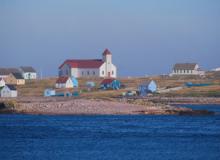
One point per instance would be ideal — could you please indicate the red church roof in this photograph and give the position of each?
(107, 81)
(93, 63)
(62, 79)
(106, 52)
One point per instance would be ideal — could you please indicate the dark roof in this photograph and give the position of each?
(106, 52)
(17, 75)
(7, 71)
(13, 70)
(11, 87)
(27, 69)
(107, 81)
(184, 66)
(4, 71)
(62, 79)
(93, 63)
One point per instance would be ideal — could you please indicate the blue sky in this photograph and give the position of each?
(146, 37)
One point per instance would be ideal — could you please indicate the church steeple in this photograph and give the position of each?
(106, 52)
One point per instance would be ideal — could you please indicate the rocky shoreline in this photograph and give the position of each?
(185, 100)
(83, 106)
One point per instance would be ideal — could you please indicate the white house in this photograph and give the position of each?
(2, 82)
(90, 67)
(28, 72)
(216, 69)
(187, 69)
(64, 82)
(9, 91)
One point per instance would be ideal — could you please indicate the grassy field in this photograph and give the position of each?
(36, 87)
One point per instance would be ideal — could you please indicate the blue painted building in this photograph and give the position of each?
(147, 87)
(110, 84)
(49, 92)
(75, 81)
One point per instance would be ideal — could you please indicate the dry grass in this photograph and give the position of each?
(37, 87)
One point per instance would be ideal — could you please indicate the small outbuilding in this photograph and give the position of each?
(49, 92)
(147, 87)
(64, 82)
(110, 84)
(9, 91)
(90, 84)
(2, 82)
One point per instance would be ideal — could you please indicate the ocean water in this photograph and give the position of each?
(37, 137)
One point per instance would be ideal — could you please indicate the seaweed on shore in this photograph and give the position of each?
(7, 106)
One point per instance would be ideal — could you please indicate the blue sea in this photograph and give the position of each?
(39, 137)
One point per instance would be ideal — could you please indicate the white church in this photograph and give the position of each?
(89, 67)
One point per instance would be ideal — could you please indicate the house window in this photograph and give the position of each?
(112, 72)
(87, 72)
(93, 72)
(82, 73)
(103, 72)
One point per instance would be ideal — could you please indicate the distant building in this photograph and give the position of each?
(64, 82)
(15, 79)
(216, 69)
(187, 69)
(147, 87)
(4, 72)
(2, 82)
(89, 68)
(28, 72)
(9, 91)
(110, 83)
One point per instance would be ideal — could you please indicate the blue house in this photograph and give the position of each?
(49, 92)
(147, 87)
(75, 81)
(110, 84)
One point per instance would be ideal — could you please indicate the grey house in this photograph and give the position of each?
(186, 69)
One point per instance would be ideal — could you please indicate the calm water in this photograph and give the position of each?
(110, 137)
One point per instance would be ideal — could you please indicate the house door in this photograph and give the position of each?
(109, 74)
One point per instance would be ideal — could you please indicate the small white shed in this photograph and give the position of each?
(9, 91)
(64, 82)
